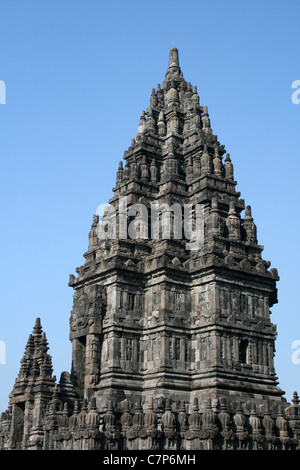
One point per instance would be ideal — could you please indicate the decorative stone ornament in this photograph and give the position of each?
(172, 341)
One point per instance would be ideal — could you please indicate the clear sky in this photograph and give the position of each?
(78, 73)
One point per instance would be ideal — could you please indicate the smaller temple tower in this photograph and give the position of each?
(33, 393)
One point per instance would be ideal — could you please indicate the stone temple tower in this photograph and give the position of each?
(170, 326)
(153, 313)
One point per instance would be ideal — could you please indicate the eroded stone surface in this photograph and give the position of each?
(172, 347)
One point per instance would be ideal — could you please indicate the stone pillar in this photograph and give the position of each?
(236, 349)
(271, 360)
(36, 439)
(182, 352)
(164, 349)
(92, 363)
(78, 363)
(17, 426)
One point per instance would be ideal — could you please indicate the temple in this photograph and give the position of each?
(172, 340)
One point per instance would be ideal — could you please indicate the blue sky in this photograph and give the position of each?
(77, 74)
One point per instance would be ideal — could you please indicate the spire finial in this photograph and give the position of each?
(37, 329)
(173, 57)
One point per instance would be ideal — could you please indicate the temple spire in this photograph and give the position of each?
(174, 71)
(173, 57)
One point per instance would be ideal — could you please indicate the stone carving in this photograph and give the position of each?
(172, 342)
(88, 307)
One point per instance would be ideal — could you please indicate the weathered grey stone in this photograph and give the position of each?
(172, 348)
